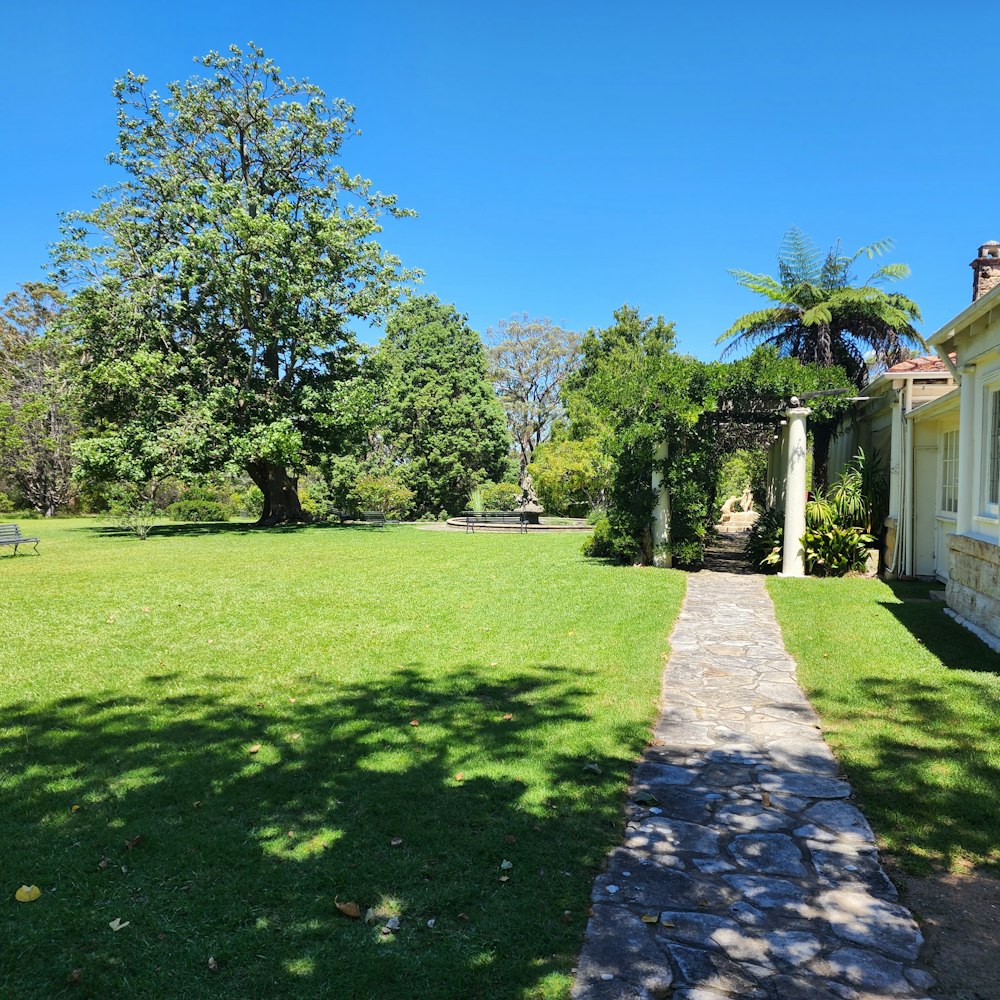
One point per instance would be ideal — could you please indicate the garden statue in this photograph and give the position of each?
(746, 501)
(529, 503)
(727, 509)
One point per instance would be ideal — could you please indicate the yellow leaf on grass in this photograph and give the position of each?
(650, 918)
(351, 910)
(255, 748)
(27, 893)
(118, 924)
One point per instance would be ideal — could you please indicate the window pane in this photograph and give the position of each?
(994, 482)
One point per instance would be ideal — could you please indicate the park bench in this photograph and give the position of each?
(375, 518)
(495, 518)
(10, 534)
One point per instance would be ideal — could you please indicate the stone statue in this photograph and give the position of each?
(529, 503)
(746, 501)
(727, 509)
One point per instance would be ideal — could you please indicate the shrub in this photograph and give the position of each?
(252, 501)
(130, 509)
(6, 504)
(600, 544)
(385, 494)
(198, 511)
(763, 547)
(477, 499)
(500, 496)
(836, 550)
(688, 553)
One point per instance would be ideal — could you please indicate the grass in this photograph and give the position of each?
(444, 689)
(910, 703)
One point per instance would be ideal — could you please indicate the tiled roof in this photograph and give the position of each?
(927, 363)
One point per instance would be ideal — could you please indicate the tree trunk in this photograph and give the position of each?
(281, 493)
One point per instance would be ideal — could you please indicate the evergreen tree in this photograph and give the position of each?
(446, 425)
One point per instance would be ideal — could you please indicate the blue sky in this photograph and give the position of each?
(567, 157)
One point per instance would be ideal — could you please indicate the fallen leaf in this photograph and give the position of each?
(103, 863)
(506, 865)
(650, 918)
(293, 700)
(645, 799)
(463, 916)
(414, 722)
(460, 776)
(27, 893)
(395, 842)
(592, 767)
(74, 977)
(504, 878)
(74, 809)
(765, 800)
(213, 965)
(431, 922)
(197, 804)
(567, 917)
(133, 842)
(351, 910)
(371, 917)
(255, 748)
(118, 924)
(508, 716)
(392, 924)
(295, 736)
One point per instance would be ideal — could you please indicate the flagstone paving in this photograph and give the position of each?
(746, 871)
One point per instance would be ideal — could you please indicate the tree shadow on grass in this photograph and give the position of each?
(956, 647)
(925, 761)
(255, 813)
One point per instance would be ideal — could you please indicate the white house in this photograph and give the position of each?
(888, 425)
(969, 447)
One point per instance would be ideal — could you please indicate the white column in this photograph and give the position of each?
(782, 466)
(793, 556)
(966, 455)
(661, 512)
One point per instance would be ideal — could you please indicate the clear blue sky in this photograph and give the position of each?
(566, 157)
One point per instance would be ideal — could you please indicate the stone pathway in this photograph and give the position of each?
(746, 871)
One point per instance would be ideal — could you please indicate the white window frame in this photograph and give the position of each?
(948, 495)
(990, 484)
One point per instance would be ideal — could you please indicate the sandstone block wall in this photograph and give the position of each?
(973, 588)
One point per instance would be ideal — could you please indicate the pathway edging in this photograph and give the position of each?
(746, 871)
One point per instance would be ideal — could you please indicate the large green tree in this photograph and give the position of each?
(818, 313)
(37, 418)
(530, 360)
(445, 425)
(220, 280)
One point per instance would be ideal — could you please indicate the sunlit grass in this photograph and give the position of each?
(910, 702)
(292, 717)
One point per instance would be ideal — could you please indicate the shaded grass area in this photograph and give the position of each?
(139, 679)
(910, 703)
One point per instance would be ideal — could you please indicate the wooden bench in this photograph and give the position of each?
(10, 534)
(495, 518)
(375, 518)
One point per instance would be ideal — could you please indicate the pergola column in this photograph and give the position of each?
(793, 562)
(661, 511)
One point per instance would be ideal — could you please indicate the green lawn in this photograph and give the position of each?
(445, 689)
(910, 703)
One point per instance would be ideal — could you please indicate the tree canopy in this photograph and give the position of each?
(444, 426)
(37, 417)
(818, 313)
(530, 360)
(215, 286)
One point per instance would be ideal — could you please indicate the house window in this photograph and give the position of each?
(949, 473)
(993, 490)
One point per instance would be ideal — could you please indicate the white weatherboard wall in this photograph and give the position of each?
(973, 587)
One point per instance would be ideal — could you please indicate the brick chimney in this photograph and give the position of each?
(986, 270)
